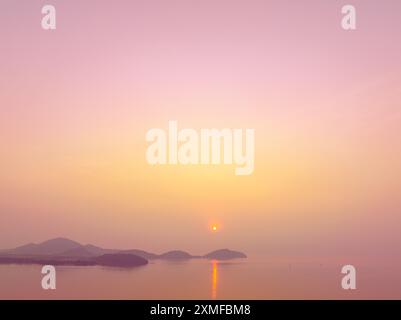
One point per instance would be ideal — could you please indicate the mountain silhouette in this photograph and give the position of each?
(78, 252)
(224, 254)
(68, 252)
(49, 247)
(176, 255)
(94, 250)
(141, 253)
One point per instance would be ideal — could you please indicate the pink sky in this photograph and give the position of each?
(75, 104)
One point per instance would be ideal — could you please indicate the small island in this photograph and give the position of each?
(225, 254)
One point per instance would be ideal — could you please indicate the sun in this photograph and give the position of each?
(214, 226)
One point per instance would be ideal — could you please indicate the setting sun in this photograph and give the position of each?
(214, 228)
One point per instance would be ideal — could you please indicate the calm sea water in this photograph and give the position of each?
(253, 278)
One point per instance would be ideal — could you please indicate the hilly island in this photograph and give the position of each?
(62, 251)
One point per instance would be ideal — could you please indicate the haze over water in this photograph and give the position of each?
(253, 278)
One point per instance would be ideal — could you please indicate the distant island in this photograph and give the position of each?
(62, 251)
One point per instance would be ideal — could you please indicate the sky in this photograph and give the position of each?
(76, 103)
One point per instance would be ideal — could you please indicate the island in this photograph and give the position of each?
(63, 251)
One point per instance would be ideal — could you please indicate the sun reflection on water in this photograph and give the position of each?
(214, 279)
